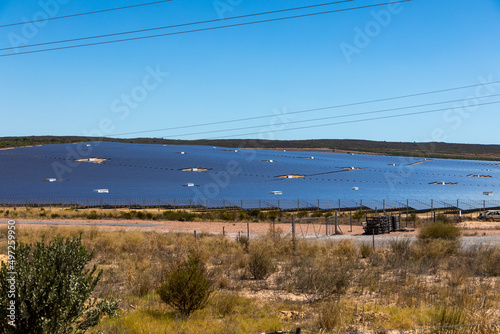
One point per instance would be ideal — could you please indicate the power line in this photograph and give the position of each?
(177, 25)
(82, 14)
(349, 122)
(325, 118)
(204, 29)
(307, 110)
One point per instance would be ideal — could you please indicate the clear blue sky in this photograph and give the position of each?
(254, 70)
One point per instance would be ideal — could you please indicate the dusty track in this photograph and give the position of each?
(473, 232)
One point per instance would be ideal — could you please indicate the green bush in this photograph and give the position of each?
(439, 230)
(254, 212)
(303, 214)
(92, 215)
(187, 287)
(126, 215)
(53, 289)
(260, 263)
(179, 215)
(358, 215)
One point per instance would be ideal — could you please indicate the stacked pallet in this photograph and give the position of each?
(382, 224)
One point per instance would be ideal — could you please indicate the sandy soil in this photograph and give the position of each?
(470, 228)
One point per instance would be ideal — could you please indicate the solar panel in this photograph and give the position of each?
(240, 177)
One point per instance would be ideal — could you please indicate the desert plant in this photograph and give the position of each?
(260, 263)
(187, 287)
(322, 277)
(52, 289)
(446, 234)
(358, 215)
(365, 250)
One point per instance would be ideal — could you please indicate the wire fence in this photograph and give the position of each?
(349, 211)
(263, 204)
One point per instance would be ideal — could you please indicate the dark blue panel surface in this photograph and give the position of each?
(151, 172)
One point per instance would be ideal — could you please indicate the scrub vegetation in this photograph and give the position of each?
(426, 150)
(266, 284)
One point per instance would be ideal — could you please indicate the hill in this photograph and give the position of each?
(427, 150)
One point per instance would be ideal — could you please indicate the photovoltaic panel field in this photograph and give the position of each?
(119, 174)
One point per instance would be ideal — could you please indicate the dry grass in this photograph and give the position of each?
(321, 286)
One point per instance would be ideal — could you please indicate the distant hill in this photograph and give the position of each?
(428, 150)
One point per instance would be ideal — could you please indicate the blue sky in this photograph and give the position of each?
(268, 69)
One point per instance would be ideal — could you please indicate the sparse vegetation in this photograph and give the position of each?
(53, 289)
(324, 285)
(187, 287)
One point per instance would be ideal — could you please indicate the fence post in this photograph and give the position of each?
(195, 236)
(350, 219)
(326, 226)
(248, 231)
(406, 213)
(432, 210)
(223, 231)
(293, 231)
(336, 223)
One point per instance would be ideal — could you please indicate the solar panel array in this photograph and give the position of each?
(148, 174)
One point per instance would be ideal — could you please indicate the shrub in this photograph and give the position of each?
(333, 316)
(187, 287)
(303, 214)
(254, 212)
(447, 317)
(358, 215)
(260, 263)
(365, 250)
(448, 233)
(179, 215)
(53, 289)
(442, 218)
(92, 215)
(244, 241)
(322, 277)
(126, 215)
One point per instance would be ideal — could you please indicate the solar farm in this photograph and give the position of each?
(118, 174)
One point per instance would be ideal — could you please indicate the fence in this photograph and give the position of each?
(406, 208)
(237, 204)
